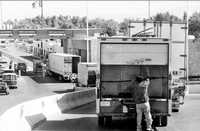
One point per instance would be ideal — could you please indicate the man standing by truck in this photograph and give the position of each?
(140, 93)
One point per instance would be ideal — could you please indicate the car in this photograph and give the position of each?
(4, 88)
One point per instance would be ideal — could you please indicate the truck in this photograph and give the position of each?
(119, 61)
(63, 66)
(177, 32)
(87, 74)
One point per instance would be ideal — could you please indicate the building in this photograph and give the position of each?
(42, 48)
(76, 44)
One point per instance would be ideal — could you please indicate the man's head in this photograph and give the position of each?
(143, 81)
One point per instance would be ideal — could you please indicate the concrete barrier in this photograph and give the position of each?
(76, 99)
(27, 115)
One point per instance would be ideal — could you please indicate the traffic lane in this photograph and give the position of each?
(188, 118)
(27, 90)
(84, 118)
(194, 88)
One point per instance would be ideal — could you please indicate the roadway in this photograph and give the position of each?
(28, 89)
(85, 119)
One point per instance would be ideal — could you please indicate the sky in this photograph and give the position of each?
(117, 10)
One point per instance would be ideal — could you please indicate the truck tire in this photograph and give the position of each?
(101, 121)
(60, 78)
(108, 120)
(164, 120)
(160, 121)
(49, 73)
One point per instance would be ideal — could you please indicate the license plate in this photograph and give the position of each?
(105, 103)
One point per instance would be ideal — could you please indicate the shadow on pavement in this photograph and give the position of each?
(30, 58)
(63, 91)
(47, 79)
(86, 124)
(84, 109)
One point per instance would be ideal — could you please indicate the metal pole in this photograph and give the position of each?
(186, 41)
(87, 32)
(149, 9)
(41, 5)
(129, 28)
(1, 26)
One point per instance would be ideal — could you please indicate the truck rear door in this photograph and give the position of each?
(120, 62)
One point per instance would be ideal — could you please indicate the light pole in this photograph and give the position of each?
(1, 15)
(41, 6)
(35, 4)
(149, 9)
(87, 33)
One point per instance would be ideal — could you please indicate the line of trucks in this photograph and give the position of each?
(162, 56)
(69, 67)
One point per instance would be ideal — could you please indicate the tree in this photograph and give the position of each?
(123, 26)
(166, 17)
(194, 25)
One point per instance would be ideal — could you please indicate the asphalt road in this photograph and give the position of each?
(28, 89)
(85, 119)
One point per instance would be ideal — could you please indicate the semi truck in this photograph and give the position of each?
(63, 66)
(120, 60)
(177, 32)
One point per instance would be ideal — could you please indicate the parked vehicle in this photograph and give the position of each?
(87, 74)
(63, 66)
(10, 79)
(22, 67)
(120, 60)
(177, 32)
(4, 88)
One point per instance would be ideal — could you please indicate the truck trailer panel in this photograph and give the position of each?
(63, 64)
(120, 61)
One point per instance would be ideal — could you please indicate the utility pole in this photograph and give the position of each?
(40, 3)
(149, 11)
(87, 33)
(41, 6)
(186, 41)
(1, 15)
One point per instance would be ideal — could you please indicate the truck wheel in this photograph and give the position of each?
(160, 121)
(60, 78)
(164, 120)
(108, 120)
(100, 120)
(49, 73)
